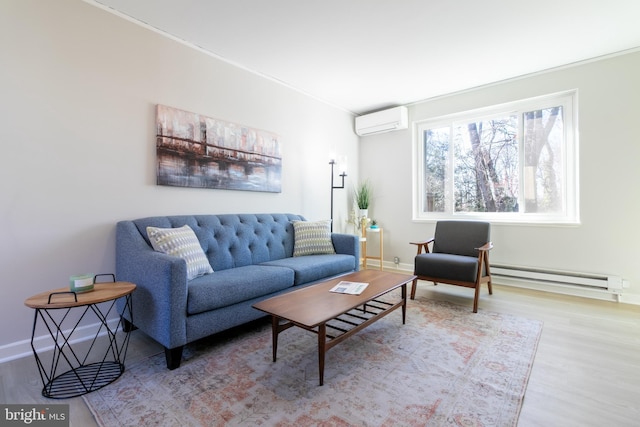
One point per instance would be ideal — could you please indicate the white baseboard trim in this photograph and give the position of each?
(42, 343)
(577, 291)
(388, 265)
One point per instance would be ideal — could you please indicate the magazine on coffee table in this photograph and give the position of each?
(352, 288)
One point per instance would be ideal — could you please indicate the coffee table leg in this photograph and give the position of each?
(274, 330)
(322, 341)
(404, 303)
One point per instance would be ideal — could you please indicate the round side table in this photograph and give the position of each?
(95, 368)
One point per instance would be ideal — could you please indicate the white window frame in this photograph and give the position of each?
(571, 201)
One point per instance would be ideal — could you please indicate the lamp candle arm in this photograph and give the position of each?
(333, 187)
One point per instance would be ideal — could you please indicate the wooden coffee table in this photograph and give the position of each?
(334, 316)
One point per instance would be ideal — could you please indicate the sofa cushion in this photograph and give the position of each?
(315, 267)
(447, 266)
(312, 238)
(234, 285)
(183, 243)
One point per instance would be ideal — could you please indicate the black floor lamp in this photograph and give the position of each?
(333, 187)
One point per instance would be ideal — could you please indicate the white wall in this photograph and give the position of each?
(78, 90)
(606, 241)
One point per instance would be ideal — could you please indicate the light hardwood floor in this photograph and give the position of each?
(586, 370)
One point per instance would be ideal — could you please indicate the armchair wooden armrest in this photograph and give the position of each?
(486, 247)
(423, 244)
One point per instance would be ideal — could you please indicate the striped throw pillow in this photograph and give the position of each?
(312, 238)
(183, 243)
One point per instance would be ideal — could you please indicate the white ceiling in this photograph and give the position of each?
(364, 55)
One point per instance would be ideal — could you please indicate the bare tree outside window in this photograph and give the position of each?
(543, 141)
(514, 163)
(436, 147)
(486, 176)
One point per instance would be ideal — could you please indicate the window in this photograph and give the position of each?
(512, 163)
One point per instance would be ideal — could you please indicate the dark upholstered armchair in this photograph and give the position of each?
(460, 256)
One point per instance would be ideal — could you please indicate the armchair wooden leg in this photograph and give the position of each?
(413, 288)
(475, 298)
(490, 287)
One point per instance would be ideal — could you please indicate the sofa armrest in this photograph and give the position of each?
(348, 244)
(160, 298)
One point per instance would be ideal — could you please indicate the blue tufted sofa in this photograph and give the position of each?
(252, 259)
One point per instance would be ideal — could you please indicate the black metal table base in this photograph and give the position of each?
(88, 372)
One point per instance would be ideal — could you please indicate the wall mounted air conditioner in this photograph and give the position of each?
(382, 121)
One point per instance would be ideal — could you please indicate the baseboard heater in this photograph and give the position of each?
(585, 281)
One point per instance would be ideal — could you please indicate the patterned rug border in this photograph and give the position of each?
(225, 389)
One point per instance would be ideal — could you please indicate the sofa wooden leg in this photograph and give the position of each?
(173, 356)
(127, 326)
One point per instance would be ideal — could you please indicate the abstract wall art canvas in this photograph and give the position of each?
(193, 150)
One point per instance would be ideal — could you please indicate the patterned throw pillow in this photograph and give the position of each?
(312, 238)
(183, 243)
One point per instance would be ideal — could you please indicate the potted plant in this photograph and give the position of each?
(363, 198)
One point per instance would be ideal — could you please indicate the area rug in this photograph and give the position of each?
(445, 367)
